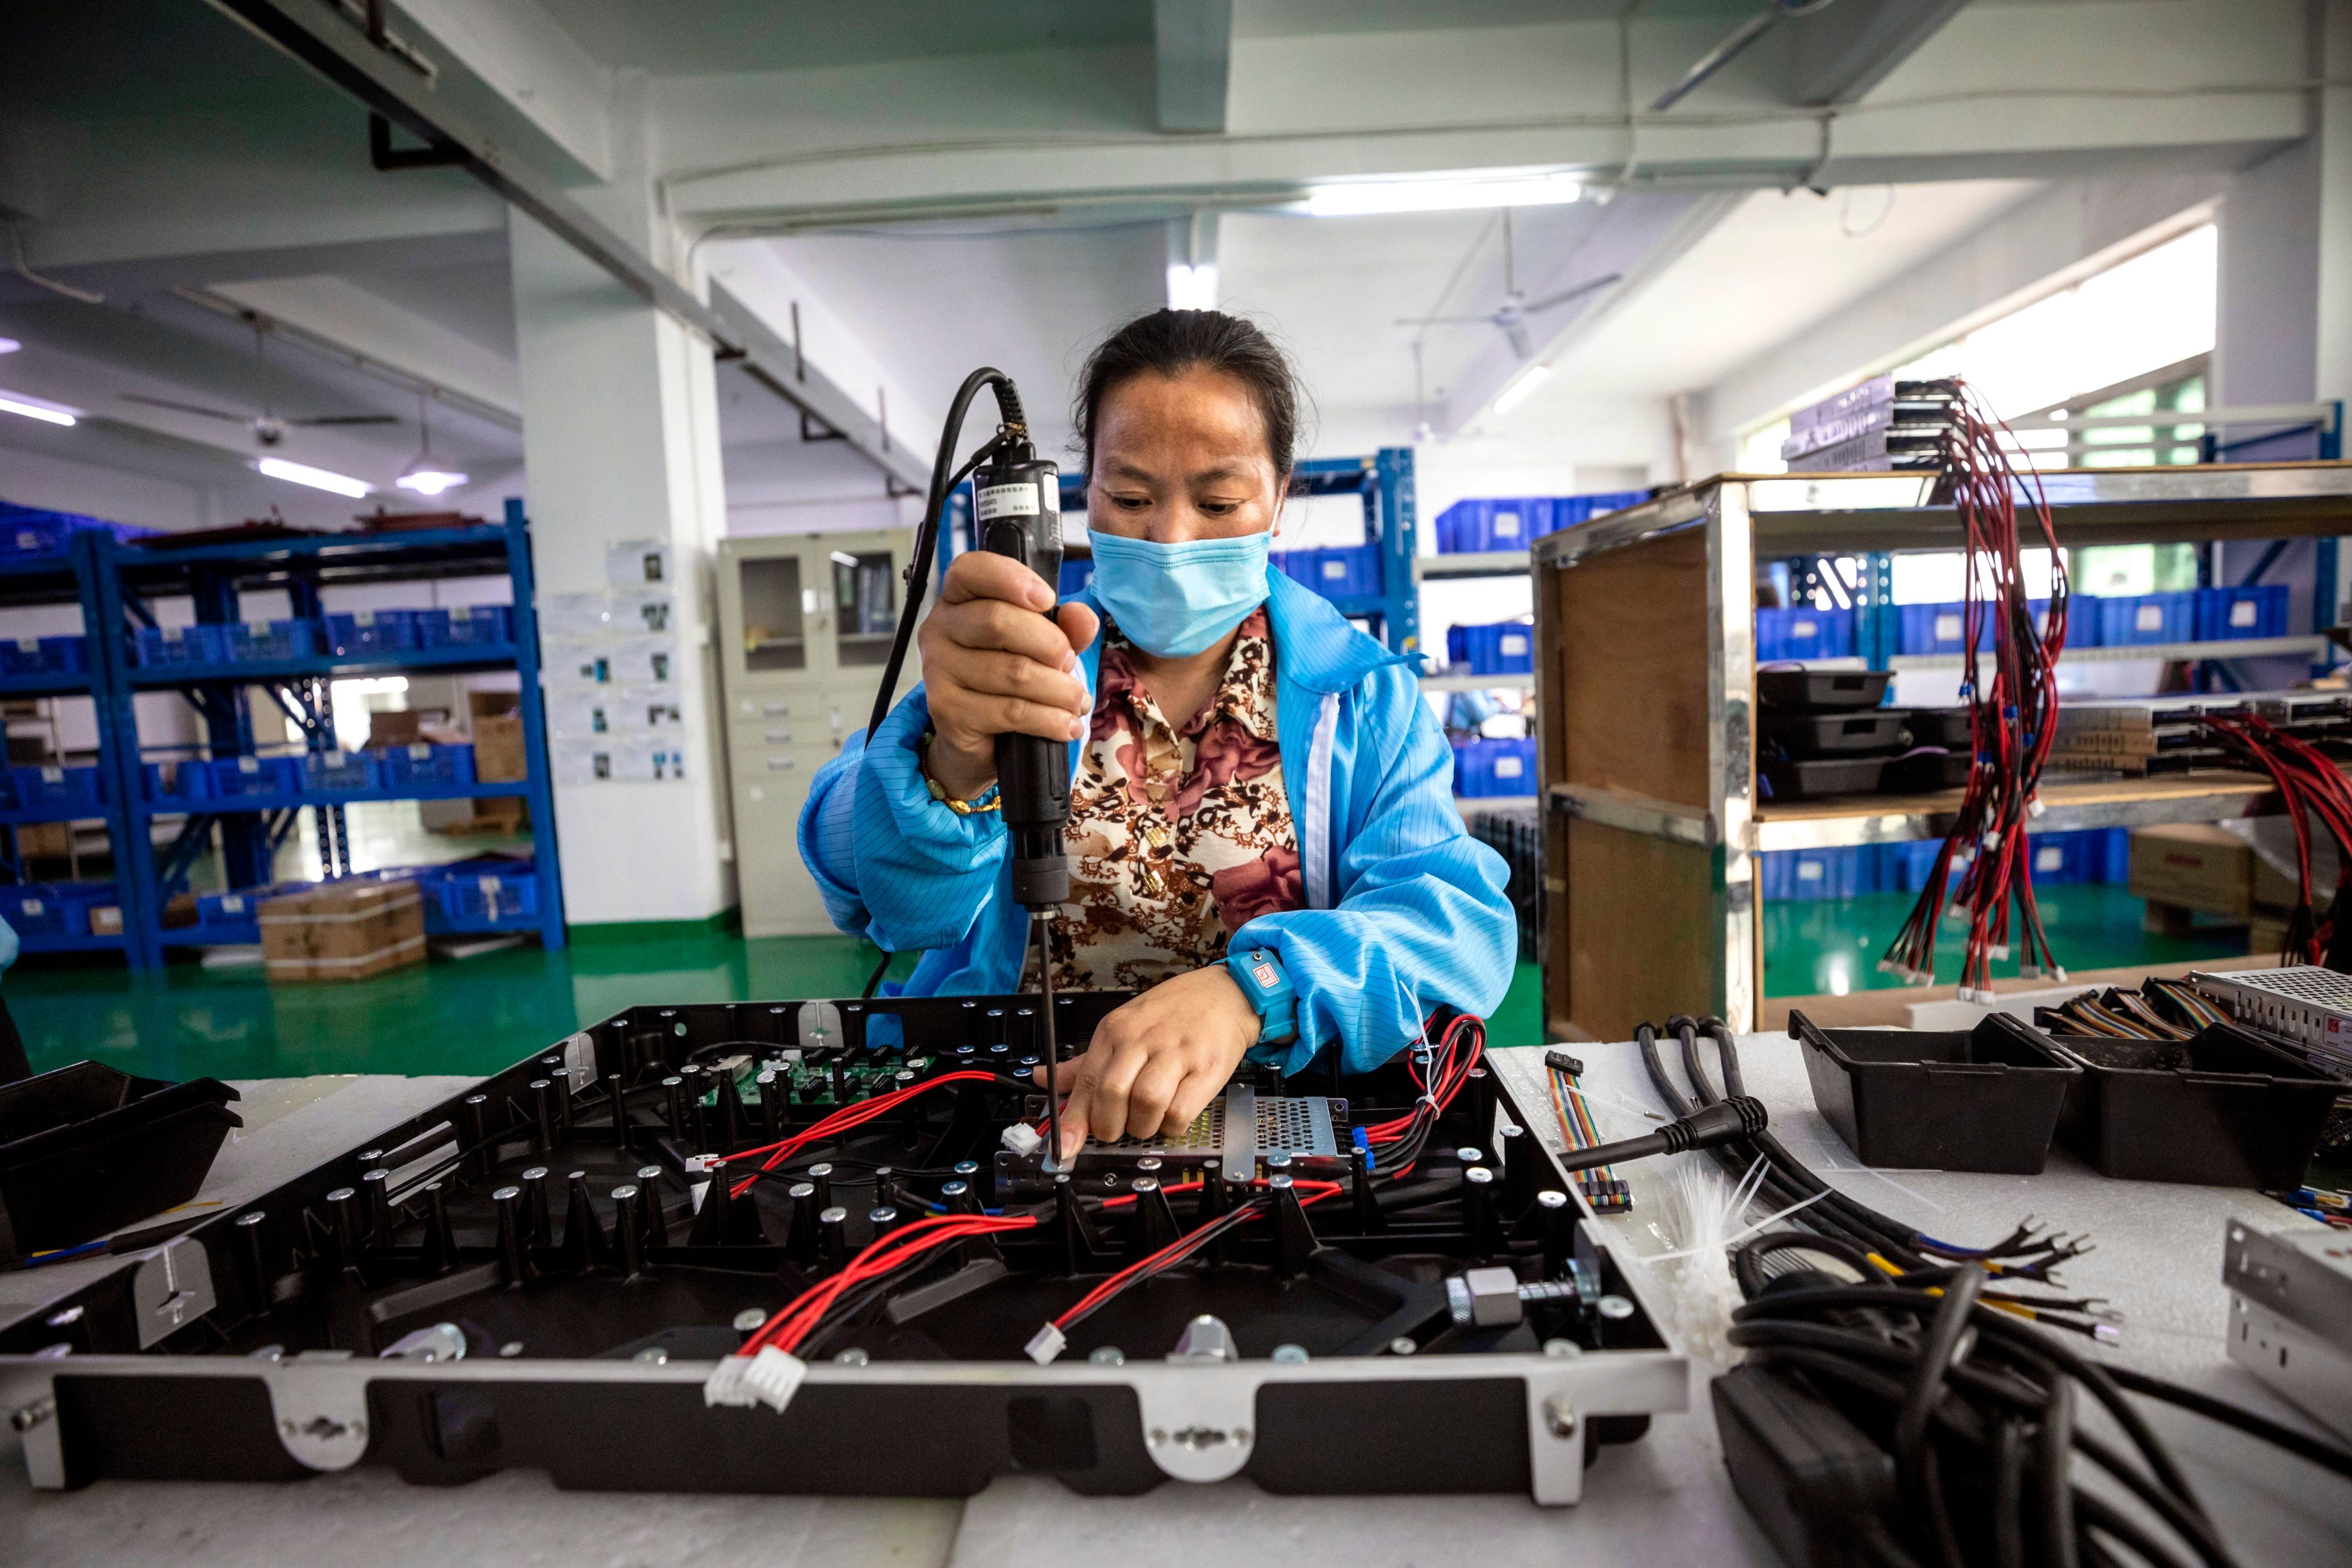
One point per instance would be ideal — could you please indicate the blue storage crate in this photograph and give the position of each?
(181, 645)
(1803, 632)
(340, 772)
(1810, 874)
(59, 790)
(249, 640)
(365, 633)
(1350, 573)
(182, 781)
(1505, 647)
(468, 626)
(1078, 571)
(45, 655)
(483, 897)
(76, 900)
(1490, 767)
(34, 908)
(2058, 858)
(233, 776)
(2231, 615)
(425, 766)
(1607, 501)
(2167, 618)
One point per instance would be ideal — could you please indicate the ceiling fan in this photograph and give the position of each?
(1511, 318)
(268, 427)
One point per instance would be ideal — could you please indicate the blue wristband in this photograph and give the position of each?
(1263, 980)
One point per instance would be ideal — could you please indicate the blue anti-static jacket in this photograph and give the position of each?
(1404, 910)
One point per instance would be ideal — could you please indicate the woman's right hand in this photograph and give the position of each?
(995, 665)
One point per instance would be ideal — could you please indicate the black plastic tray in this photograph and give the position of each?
(1820, 691)
(1983, 1099)
(1946, 727)
(2224, 1110)
(1810, 779)
(1922, 772)
(1805, 735)
(87, 1150)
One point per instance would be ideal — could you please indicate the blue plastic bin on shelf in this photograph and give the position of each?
(78, 899)
(1078, 571)
(34, 908)
(229, 918)
(364, 633)
(424, 766)
(249, 640)
(340, 772)
(30, 533)
(53, 790)
(468, 626)
(183, 781)
(1505, 647)
(1350, 573)
(484, 897)
(45, 655)
(181, 645)
(2233, 615)
(1805, 874)
(1941, 627)
(231, 776)
(1491, 766)
(1477, 527)
(1803, 632)
(2134, 619)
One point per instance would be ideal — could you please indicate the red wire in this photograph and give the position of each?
(842, 1120)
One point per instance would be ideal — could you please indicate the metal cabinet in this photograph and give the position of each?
(805, 623)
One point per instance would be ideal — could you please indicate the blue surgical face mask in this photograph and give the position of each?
(1175, 600)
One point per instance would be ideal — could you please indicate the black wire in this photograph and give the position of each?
(2325, 1454)
(874, 980)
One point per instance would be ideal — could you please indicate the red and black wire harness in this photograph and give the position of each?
(2316, 796)
(2013, 712)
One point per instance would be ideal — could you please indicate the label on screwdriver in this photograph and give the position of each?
(1008, 501)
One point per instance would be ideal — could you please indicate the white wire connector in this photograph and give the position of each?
(1045, 1344)
(2058, 974)
(769, 1378)
(1999, 949)
(1023, 1140)
(2034, 807)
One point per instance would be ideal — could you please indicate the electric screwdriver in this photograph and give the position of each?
(1017, 509)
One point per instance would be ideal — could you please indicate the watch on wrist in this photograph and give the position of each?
(1263, 980)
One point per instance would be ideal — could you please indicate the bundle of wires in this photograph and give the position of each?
(2311, 786)
(1977, 1412)
(1439, 1072)
(2120, 1014)
(1160, 1262)
(842, 1120)
(1785, 1183)
(1600, 1184)
(800, 1320)
(2012, 714)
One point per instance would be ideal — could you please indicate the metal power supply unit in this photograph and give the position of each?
(2291, 1315)
(1327, 1284)
(2303, 1003)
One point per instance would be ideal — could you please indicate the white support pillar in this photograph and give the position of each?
(621, 443)
(2333, 135)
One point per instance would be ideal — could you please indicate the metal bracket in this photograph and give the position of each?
(1241, 1133)
(820, 1026)
(35, 1422)
(1199, 1419)
(1556, 1439)
(319, 1411)
(173, 1286)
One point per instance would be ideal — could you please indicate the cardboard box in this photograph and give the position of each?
(106, 920)
(497, 749)
(343, 931)
(2195, 866)
(393, 729)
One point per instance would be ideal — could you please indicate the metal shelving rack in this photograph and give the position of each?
(1651, 882)
(121, 580)
(71, 579)
(1385, 482)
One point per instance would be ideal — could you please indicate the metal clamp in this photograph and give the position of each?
(320, 1410)
(1199, 1417)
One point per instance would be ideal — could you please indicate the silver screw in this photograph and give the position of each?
(1403, 1345)
(1615, 1307)
(512, 1349)
(749, 1318)
(1291, 1354)
(1561, 1350)
(1560, 1417)
(652, 1355)
(852, 1356)
(1107, 1356)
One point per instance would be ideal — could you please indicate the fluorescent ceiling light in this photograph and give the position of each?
(1193, 287)
(39, 408)
(1439, 196)
(842, 558)
(1518, 392)
(9, 345)
(429, 481)
(316, 479)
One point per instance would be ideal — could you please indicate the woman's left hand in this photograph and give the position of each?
(1157, 1061)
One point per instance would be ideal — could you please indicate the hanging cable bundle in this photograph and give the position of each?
(2311, 786)
(2012, 714)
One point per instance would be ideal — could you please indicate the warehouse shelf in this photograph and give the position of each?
(229, 805)
(1455, 682)
(59, 685)
(456, 660)
(1480, 564)
(116, 583)
(1661, 793)
(62, 942)
(2314, 646)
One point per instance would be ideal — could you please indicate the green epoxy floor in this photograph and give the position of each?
(473, 1016)
(1813, 947)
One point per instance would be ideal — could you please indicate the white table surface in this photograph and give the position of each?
(1665, 1499)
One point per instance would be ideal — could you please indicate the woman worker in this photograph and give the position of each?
(1262, 840)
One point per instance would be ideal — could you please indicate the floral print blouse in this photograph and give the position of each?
(1177, 838)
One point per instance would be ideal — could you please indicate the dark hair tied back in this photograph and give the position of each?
(1169, 343)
